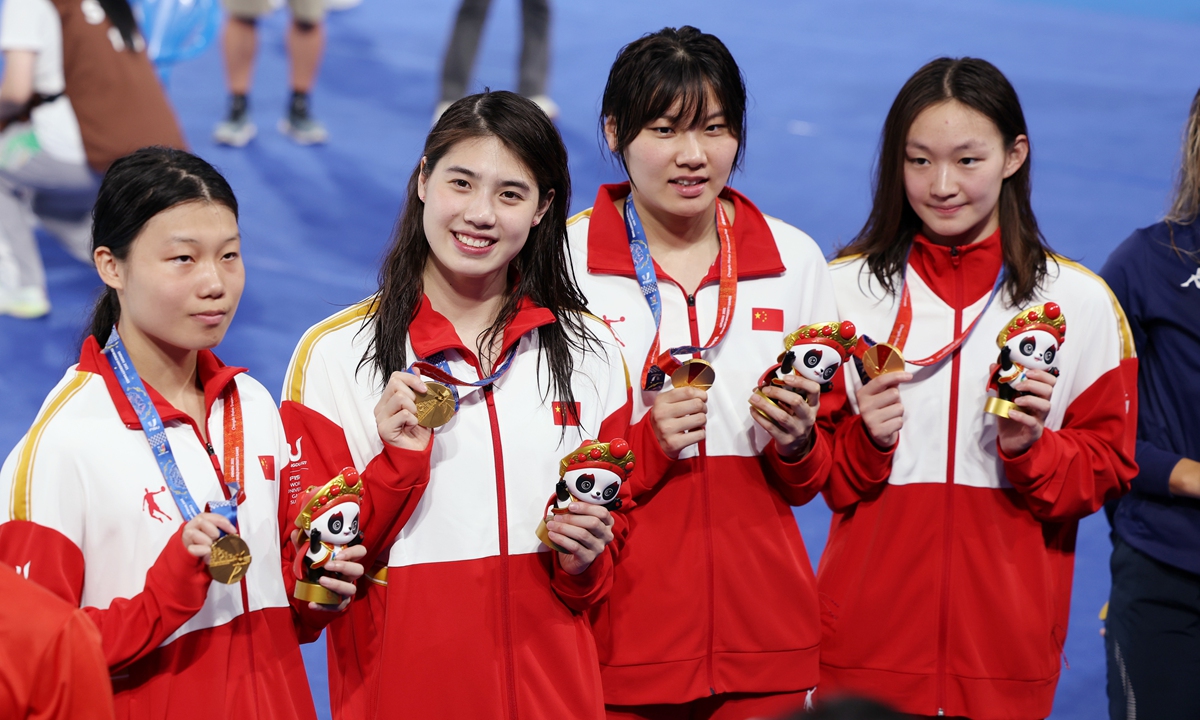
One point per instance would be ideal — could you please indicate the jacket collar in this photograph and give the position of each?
(608, 245)
(980, 263)
(431, 332)
(215, 376)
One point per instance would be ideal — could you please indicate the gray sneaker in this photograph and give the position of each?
(237, 129)
(304, 129)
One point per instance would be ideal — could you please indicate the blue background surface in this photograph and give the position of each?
(1105, 85)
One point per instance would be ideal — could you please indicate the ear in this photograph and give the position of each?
(543, 207)
(109, 268)
(610, 132)
(421, 180)
(1017, 153)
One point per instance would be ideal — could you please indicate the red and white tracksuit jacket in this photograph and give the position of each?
(714, 592)
(86, 514)
(476, 619)
(946, 582)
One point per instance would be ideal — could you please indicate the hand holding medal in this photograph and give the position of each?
(405, 401)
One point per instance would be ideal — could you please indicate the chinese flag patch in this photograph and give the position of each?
(562, 416)
(767, 319)
(268, 466)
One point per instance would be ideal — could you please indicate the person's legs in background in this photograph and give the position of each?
(306, 44)
(461, 52)
(1152, 638)
(535, 54)
(240, 46)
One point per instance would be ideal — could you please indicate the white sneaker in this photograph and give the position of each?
(336, 5)
(235, 131)
(26, 303)
(547, 105)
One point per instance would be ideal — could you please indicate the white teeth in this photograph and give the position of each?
(687, 183)
(473, 242)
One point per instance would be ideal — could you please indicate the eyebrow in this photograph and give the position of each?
(194, 241)
(968, 145)
(519, 184)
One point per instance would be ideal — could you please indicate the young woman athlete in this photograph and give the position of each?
(713, 611)
(150, 473)
(471, 616)
(946, 582)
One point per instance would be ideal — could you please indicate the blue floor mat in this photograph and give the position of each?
(1105, 85)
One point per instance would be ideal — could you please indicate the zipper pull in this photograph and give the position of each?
(954, 256)
(691, 300)
(208, 446)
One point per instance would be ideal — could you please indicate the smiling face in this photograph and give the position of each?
(954, 168)
(816, 361)
(1035, 349)
(480, 203)
(339, 525)
(593, 485)
(678, 171)
(180, 284)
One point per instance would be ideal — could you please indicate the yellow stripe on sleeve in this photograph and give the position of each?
(294, 382)
(19, 503)
(1123, 329)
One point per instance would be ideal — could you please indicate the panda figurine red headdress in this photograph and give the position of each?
(1030, 340)
(328, 522)
(593, 473)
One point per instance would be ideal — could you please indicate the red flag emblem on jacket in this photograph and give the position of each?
(767, 319)
(268, 466)
(563, 417)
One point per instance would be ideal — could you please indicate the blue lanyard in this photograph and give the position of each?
(156, 434)
(438, 361)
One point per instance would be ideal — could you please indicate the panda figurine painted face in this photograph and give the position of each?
(817, 362)
(814, 352)
(338, 526)
(328, 522)
(1030, 341)
(596, 486)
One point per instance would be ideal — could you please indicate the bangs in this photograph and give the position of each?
(679, 95)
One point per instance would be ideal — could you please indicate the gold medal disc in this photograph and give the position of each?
(230, 559)
(882, 358)
(694, 373)
(436, 407)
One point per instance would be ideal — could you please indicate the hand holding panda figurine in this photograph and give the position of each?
(329, 528)
(578, 523)
(1023, 378)
(811, 358)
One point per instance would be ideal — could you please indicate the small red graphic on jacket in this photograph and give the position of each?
(563, 416)
(268, 466)
(767, 319)
(151, 505)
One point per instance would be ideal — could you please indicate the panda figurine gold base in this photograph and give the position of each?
(593, 473)
(1030, 340)
(815, 352)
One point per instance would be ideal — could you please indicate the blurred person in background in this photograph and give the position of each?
(64, 117)
(464, 46)
(306, 43)
(1152, 636)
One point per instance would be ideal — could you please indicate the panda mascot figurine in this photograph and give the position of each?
(593, 473)
(1030, 340)
(815, 352)
(328, 522)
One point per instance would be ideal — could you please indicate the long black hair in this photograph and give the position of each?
(888, 233)
(135, 189)
(656, 71)
(541, 271)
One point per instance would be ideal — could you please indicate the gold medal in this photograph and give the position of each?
(230, 559)
(882, 358)
(435, 408)
(694, 373)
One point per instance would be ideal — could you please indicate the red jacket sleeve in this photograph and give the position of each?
(859, 470)
(582, 591)
(799, 481)
(71, 681)
(393, 483)
(1069, 473)
(130, 628)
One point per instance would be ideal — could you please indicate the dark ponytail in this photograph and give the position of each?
(135, 189)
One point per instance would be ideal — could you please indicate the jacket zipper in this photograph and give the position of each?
(510, 674)
(948, 524)
(702, 447)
